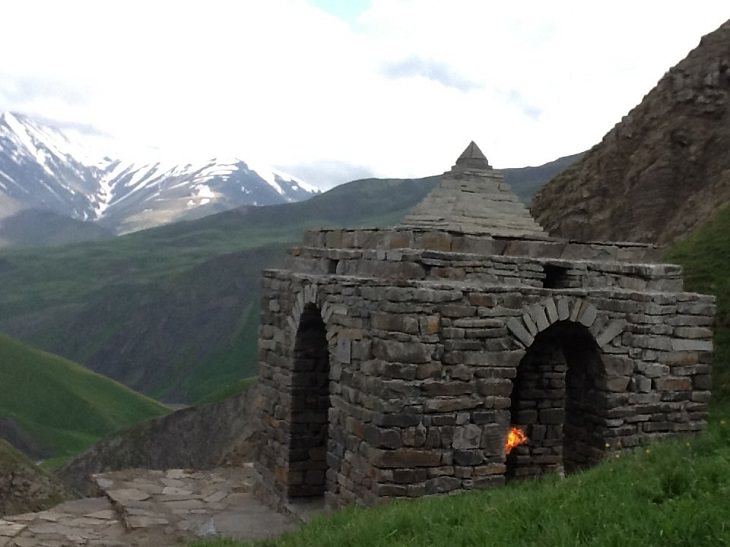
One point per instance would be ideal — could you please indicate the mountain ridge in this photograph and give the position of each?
(43, 168)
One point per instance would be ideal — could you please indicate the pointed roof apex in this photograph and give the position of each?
(472, 158)
(473, 199)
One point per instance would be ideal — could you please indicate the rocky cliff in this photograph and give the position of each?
(220, 433)
(25, 487)
(660, 172)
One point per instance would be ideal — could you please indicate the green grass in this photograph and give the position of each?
(62, 405)
(705, 257)
(234, 388)
(673, 493)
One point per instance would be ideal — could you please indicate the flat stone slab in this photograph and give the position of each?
(84, 522)
(145, 508)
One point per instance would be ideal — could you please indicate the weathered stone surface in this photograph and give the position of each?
(25, 487)
(691, 345)
(196, 437)
(440, 485)
(563, 309)
(404, 352)
(406, 457)
(611, 331)
(588, 314)
(216, 503)
(517, 328)
(468, 457)
(467, 437)
(673, 383)
(618, 365)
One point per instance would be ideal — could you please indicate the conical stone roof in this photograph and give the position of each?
(472, 198)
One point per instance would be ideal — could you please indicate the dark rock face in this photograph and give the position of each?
(13, 433)
(204, 437)
(661, 171)
(25, 487)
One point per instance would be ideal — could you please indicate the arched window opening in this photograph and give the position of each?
(555, 402)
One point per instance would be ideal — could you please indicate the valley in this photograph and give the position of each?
(51, 407)
(172, 311)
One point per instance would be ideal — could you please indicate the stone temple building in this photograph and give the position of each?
(393, 362)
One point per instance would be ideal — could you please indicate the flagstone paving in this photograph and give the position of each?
(146, 508)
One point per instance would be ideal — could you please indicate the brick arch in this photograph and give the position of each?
(540, 316)
(309, 294)
(558, 398)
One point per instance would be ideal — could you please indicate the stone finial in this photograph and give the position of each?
(472, 158)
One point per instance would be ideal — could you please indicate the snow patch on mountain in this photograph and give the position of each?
(274, 177)
(42, 167)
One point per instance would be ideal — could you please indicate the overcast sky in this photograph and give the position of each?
(336, 90)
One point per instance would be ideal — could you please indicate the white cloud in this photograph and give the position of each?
(283, 82)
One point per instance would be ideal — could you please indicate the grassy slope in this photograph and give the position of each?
(705, 256)
(61, 404)
(672, 493)
(36, 228)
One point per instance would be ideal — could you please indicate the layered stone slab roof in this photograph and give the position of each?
(473, 198)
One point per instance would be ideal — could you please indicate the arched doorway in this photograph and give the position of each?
(556, 402)
(310, 403)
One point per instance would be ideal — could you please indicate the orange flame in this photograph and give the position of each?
(515, 437)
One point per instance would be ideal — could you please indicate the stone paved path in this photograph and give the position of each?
(146, 508)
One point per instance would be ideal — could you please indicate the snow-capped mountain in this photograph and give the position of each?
(43, 168)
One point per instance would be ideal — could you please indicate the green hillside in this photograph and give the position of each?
(526, 181)
(62, 405)
(36, 228)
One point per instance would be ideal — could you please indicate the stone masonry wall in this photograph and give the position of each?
(493, 269)
(422, 372)
(444, 241)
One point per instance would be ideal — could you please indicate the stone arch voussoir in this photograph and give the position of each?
(540, 316)
(309, 294)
